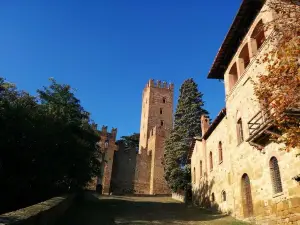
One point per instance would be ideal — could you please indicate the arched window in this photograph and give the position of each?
(194, 175)
(211, 166)
(233, 76)
(213, 197)
(201, 169)
(246, 196)
(220, 152)
(164, 100)
(223, 196)
(161, 111)
(275, 175)
(245, 58)
(259, 34)
(240, 135)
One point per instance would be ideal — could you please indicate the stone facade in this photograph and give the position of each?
(156, 123)
(229, 172)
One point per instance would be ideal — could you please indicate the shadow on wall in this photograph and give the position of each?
(123, 170)
(204, 197)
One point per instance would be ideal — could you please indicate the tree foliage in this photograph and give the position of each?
(187, 125)
(279, 88)
(47, 144)
(131, 141)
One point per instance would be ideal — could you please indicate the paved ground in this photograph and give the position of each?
(139, 210)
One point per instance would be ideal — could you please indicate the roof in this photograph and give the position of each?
(239, 28)
(211, 128)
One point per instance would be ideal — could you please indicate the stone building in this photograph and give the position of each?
(236, 168)
(156, 123)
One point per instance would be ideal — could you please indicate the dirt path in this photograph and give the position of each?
(139, 210)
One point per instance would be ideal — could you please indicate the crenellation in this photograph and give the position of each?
(156, 123)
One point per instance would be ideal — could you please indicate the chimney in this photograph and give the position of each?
(204, 124)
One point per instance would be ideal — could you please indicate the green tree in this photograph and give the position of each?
(131, 141)
(187, 125)
(47, 144)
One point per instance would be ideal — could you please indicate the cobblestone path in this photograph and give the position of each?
(123, 210)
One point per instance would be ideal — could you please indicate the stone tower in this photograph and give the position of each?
(157, 109)
(108, 147)
(156, 123)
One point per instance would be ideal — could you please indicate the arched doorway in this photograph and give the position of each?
(246, 196)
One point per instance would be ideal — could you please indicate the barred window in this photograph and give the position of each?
(201, 169)
(220, 152)
(211, 161)
(275, 175)
(223, 196)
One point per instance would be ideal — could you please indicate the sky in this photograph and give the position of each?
(107, 50)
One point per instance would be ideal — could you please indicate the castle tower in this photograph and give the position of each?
(156, 124)
(108, 147)
(157, 109)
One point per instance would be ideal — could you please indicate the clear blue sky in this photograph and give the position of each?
(109, 49)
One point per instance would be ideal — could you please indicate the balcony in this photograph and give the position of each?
(261, 127)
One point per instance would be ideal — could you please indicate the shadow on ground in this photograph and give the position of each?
(123, 210)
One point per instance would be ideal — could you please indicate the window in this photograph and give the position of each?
(201, 169)
(164, 100)
(106, 144)
(146, 101)
(213, 197)
(161, 111)
(245, 58)
(161, 123)
(233, 76)
(275, 175)
(240, 135)
(259, 34)
(223, 196)
(194, 175)
(220, 152)
(246, 196)
(211, 166)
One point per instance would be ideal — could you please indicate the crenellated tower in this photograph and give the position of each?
(157, 109)
(156, 124)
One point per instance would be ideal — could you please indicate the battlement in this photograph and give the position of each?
(112, 134)
(159, 84)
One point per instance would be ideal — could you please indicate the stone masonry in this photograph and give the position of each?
(234, 169)
(156, 123)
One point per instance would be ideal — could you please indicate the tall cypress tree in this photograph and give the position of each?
(187, 125)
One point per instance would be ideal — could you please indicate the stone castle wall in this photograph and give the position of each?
(123, 171)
